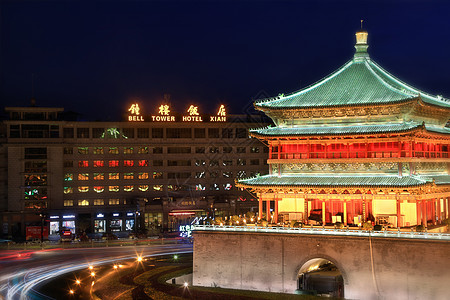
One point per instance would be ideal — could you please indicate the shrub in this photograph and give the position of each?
(367, 226)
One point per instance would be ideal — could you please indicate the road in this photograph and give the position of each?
(21, 274)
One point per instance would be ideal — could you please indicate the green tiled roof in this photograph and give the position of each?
(438, 129)
(333, 180)
(358, 82)
(439, 179)
(337, 130)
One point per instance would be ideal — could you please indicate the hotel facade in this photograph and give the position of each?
(149, 171)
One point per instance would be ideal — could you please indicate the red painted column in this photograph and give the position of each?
(419, 212)
(268, 210)
(444, 206)
(438, 210)
(424, 213)
(275, 215)
(260, 212)
(433, 211)
(398, 214)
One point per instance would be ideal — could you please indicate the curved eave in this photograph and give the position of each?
(277, 186)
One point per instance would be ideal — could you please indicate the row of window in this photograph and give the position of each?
(154, 150)
(85, 202)
(157, 133)
(146, 187)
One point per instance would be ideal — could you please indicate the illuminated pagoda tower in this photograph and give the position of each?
(358, 145)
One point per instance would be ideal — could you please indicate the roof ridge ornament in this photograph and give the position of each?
(361, 44)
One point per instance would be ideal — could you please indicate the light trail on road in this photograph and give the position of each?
(20, 279)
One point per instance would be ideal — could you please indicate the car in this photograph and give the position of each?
(109, 236)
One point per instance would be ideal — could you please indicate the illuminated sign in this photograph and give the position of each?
(186, 230)
(193, 115)
(164, 114)
(54, 217)
(130, 214)
(68, 216)
(221, 115)
(100, 215)
(135, 114)
(115, 214)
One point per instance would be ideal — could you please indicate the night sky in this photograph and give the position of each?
(95, 57)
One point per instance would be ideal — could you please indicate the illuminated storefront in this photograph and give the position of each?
(358, 145)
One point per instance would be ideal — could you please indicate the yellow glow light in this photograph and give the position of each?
(92, 274)
(91, 267)
(139, 258)
(115, 267)
(71, 291)
(78, 281)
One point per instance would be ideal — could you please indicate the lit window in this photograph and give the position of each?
(254, 149)
(173, 187)
(128, 163)
(83, 202)
(157, 175)
(99, 189)
(99, 163)
(241, 162)
(241, 174)
(227, 162)
(113, 176)
(227, 186)
(99, 202)
(214, 150)
(143, 175)
(68, 202)
(113, 163)
(68, 190)
(200, 187)
(200, 162)
(213, 163)
(114, 188)
(83, 189)
(99, 176)
(127, 150)
(128, 176)
(114, 201)
(128, 188)
(83, 164)
(200, 175)
(157, 187)
(143, 188)
(68, 177)
(83, 150)
(143, 163)
(98, 150)
(143, 150)
(113, 150)
(214, 187)
(83, 176)
(227, 174)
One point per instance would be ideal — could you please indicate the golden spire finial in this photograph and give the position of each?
(362, 23)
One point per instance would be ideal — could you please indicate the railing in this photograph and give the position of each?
(328, 231)
(362, 154)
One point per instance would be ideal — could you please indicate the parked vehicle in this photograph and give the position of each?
(109, 236)
(66, 235)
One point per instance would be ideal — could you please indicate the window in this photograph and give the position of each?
(128, 132)
(128, 176)
(143, 150)
(241, 133)
(83, 164)
(128, 163)
(254, 149)
(241, 174)
(114, 201)
(227, 174)
(83, 203)
(214, 187)
(143, 188)
(199, 149)
(199, 133)
(142, 133)
(67, 164)
(143, 163)
(127, 150)
(99, 176)
(83, 189)
(142, 175)
(157, 150)
(241, 162)
(178, 150)
(183, 175)
(68, 177)
(200, 162)
(227, 186)
(213, 149)
(99, 202)
(36, 166)
(113, 150)
(157, 163)
(114, 188)
(68, 150)
(200, 187)
(83, 133)
(172, 163)
(158, 187)
(113, 163)
(68, 190)
(99, 189)
(227, 162)
(178, 133)
(83, 176)
(200, 175)
(254, 162)
(213, 133)
(157, 133)
(113, 176)
(35, 179)
(173, 187)
(98, 150)
(213, 163)
(214, 174)
(240, 150)
(97, 132)
(68, 202)
(68, 133)
(35, 153)
(128, 188)
(227, 133)
(157, 175)
(99, 163)
(227, 149)
(14, 131)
